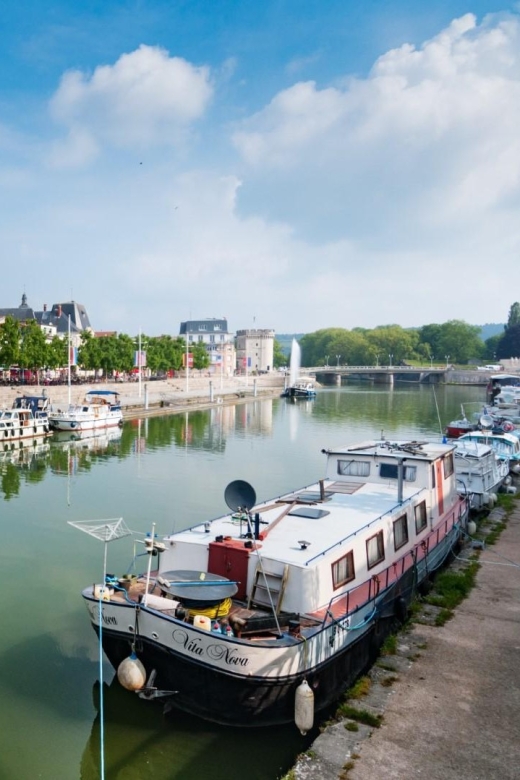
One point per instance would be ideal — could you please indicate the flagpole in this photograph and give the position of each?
(68, 352)
(139, 362)
(187, 362)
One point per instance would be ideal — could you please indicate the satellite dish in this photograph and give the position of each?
(486, 421)
(239, 495)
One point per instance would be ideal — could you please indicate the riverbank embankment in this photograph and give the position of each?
(449, 699)
(158, 397)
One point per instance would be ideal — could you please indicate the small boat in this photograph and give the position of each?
(480, 473)
(100, 409)
(300, 389)
(27, 419)
(505, 445)
(267, 614)
(457, 428)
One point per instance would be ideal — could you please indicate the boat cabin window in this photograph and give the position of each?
(310, 512)
(448, 465)
(354, 468)
(400, 532)
(343, 570)
(420, 517)
(391, 471)
(375, 549)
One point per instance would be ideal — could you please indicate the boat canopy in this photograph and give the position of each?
(101, 392)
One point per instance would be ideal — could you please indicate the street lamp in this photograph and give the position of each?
(431, 361)
(326, 361)
(337, 358)
(391, 358)
(377, 360)
(447, 359)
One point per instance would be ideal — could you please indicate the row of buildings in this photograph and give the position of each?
(249, 350)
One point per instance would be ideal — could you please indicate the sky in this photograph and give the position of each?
(286, 164)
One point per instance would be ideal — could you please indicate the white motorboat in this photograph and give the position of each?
(480, 473)
(100, 409)
(27, 419)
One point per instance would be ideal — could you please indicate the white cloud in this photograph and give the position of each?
(145, 98)
(432, 131)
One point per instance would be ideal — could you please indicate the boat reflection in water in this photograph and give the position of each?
(24, 460)
(175, 746)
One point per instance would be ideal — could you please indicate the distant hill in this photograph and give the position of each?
(490, 329)
(285, 341)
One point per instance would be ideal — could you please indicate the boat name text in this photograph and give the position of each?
(216, 652)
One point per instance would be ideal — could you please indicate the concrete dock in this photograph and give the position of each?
(453, 711)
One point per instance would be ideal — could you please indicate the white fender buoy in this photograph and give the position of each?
(511, 490)
(472, 528)
(131, 673)
(304, 707)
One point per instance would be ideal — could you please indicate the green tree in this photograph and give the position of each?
(200, 356)
(279, 356)
(33, 346)
(56, 353)
(9, 342)
(514, 316)
(509, 344)
(89, 353)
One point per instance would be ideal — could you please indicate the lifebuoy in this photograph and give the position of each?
(507, 426)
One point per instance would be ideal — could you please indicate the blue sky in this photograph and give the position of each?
(296, 164)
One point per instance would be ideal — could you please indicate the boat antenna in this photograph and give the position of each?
(437, 408)
(107, 531)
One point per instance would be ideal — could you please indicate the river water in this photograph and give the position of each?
(171, 471)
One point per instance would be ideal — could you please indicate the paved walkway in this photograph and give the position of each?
(454, 712)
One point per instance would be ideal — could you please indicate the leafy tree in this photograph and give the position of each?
(491, 345)
(9, 342)
(89, 353)
(33, 346)
(200, 356)
(56, 353)
(279, 356)
(509, 344)
(514, 316)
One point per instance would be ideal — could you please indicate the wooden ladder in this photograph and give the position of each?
(266, 582)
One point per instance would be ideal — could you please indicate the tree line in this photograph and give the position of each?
(454, 341)
(25, 345)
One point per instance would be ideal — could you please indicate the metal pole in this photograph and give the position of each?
(68, 363)
(146, 395)
(211, 391)
(139, 361)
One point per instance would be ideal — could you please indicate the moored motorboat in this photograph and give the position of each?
(27, 419)
(302, 389)
(100, 409)
(284, 600)
(480, 473)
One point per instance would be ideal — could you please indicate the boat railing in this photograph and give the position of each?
(351, 601)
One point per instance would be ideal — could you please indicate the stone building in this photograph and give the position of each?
(255, 350)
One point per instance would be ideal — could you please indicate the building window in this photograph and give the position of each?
(391, 471)
(222, 337)
(375, 550)
(203, 327)
(190, 338)
(354, 468)
(400, 532)
(343, 570)
(212, 339)
(201, 339)
(448, 465)
(420, 517)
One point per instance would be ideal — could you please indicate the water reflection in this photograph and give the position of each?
(175, 746)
